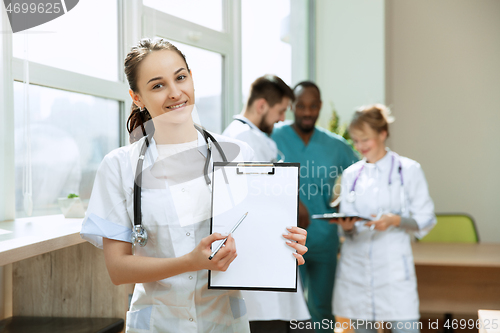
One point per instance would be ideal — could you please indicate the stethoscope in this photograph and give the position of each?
(139, 233)
(351, 197)
(280, 153)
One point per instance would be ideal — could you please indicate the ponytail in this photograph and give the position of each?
(136, 122)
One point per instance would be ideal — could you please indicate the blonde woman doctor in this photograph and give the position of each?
(376, 275)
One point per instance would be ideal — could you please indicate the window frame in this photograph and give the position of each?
(7, 164)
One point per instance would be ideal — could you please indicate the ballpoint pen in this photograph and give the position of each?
(225, 239)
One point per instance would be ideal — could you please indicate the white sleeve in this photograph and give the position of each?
(107, 215)
(420, 205)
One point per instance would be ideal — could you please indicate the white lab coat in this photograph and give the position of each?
(181, 303)
(265, 149)
(376, 274)
(267, 305)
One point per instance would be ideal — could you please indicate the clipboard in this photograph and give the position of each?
(269, 193)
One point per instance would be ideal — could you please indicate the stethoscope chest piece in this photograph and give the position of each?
(351, 197)
(139, 236)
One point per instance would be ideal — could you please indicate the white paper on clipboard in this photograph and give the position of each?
(269, 193)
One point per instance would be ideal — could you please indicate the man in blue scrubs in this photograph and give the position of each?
(322, 156)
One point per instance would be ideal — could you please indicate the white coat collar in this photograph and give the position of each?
(383, 163)
(254, 127)
(248, 122)
(152, 151)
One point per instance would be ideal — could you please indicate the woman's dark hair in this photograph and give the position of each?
(134, 58)
(377, 116)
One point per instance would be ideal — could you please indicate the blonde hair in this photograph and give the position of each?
(377, 116)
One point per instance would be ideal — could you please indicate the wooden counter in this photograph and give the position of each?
(55, 273)
(457, 278)
(28, 237)
(454, 254)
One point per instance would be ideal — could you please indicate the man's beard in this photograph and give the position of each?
(265, 127)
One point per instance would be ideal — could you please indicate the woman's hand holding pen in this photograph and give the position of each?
(220, 262)
(296, 238)
(384, 222)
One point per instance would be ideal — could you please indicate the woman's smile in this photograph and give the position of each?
(177, 106)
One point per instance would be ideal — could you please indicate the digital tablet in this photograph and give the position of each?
(338, 216)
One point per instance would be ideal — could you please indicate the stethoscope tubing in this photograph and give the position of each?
(139, 234)
(352, 193)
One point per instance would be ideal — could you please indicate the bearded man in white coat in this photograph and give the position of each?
(270, 97)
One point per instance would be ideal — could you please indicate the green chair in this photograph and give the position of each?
(453, 228)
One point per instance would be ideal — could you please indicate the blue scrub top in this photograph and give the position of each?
(322, 160)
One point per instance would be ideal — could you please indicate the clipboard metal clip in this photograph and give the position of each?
(252, 165)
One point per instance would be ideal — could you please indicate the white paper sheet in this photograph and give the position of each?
(264, 260)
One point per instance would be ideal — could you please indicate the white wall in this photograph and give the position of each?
(299, 19)
(350, 55)
(443, 83)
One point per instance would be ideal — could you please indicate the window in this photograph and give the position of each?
(265, 41)
(77, 101)
(70, 134)
(70, 42)
(206, 67)
(207, 13)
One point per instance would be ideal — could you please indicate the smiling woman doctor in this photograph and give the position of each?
(376, 274)
(168, 158)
